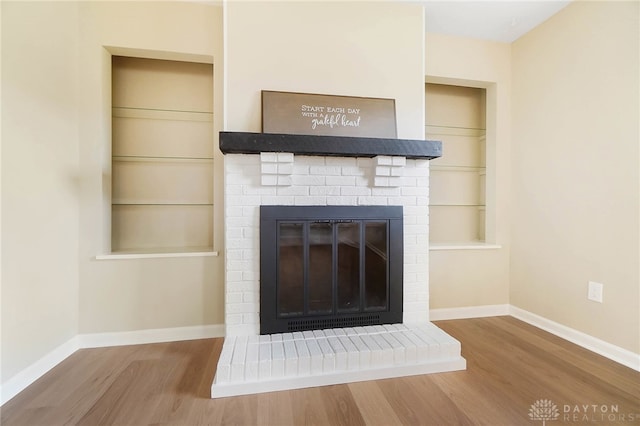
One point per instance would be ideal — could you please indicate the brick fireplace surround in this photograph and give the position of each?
(261, 169)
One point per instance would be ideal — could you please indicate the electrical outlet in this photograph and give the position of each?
(595, 291)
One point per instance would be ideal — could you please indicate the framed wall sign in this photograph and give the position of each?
(329, 115)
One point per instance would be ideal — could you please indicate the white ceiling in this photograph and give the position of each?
(503, 21)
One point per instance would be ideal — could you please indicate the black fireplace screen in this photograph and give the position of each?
(329, 266)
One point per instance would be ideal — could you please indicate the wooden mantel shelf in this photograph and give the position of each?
(335, 146)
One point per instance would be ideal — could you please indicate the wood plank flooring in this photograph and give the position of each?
(510, 366)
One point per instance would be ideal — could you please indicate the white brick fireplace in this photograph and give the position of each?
(275, 178)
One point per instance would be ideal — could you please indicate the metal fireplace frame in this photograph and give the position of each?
(270, 216)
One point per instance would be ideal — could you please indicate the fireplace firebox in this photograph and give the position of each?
(330, 266)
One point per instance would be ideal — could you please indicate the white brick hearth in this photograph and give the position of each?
(250, 363)
(254, 364)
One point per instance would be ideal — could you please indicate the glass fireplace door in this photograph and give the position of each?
(330, 271)
(329, 267)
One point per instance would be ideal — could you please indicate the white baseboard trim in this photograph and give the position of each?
(26, 377)
(159, 335)
(608, 350)
(468, 312)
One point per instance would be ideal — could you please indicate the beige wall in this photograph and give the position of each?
(370, 49)
(56, 176)
(135, 294)
(39, 181)
(572, 178)
(575, 170)
(477, 276)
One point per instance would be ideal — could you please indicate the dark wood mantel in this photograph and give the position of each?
(335, 146)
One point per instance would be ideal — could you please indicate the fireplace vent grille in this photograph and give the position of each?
(319, 324)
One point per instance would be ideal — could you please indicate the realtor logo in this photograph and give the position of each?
(544, 409)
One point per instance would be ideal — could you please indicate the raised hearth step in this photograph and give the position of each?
(255, 364)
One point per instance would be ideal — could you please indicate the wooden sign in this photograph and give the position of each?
(329, 115)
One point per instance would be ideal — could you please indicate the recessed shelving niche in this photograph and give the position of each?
(456, 116)
(162, 156)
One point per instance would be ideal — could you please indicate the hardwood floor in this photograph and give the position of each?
(510, 366)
